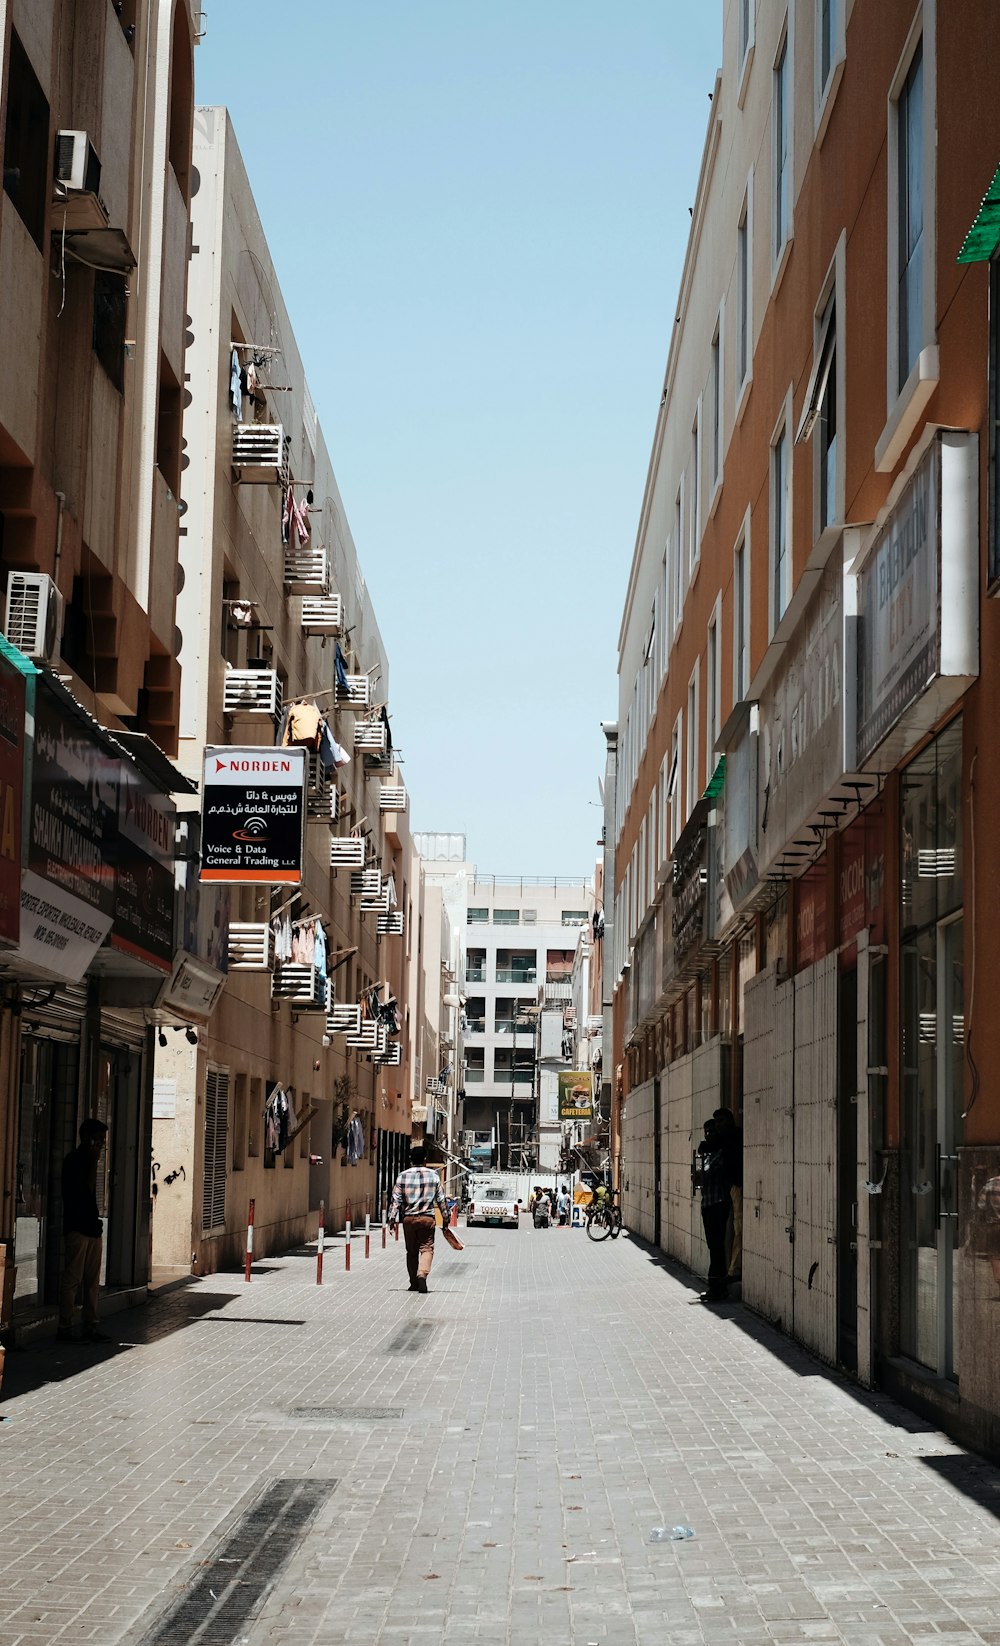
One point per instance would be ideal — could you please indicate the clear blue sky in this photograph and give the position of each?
(478, 211)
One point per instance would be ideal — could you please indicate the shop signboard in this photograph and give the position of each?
(899, 608)
(918, 599)
(803, 720)
(12, 705)
(68, 886)
(861, 888)
(810, 916)
(144, 882)
(253, 815)
(576, 1101)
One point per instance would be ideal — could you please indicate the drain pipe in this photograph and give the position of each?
(57, 558)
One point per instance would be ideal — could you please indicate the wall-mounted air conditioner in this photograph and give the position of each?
(34, 615)
(76, 164)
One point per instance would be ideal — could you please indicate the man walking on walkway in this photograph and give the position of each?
(82, 1231)
(416, 1192)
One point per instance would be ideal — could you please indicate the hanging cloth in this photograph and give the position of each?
(355, 1141)
(319, 949)
(235, 386)
(302, 726)
(388, 733)
(330, 752)
(340, 668)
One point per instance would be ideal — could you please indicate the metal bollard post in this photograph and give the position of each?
(383, 1226)
(248, 1260)
(368, 1235)
(319, 1246)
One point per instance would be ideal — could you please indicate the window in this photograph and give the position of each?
(827, 42)
(664, 840)
(506, 917)
(665, 611)
(674, 780)
(745, 40)
(691, 775)
(694, 502)
(744, 319)
(575, 917)
(26, 143)
(716, 451)
(780, 117)
(213, 1189)
(678, 554)
(713, 692)
(477, 917)
(741, 618)
(828, 421)
(779, 527)
(110, 309)
(651, 850)
(910, 219)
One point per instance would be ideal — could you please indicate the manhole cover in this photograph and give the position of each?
(230, 1588)
(409, 1340)
(345, 1414)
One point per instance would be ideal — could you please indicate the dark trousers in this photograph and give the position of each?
(715, 1220)
(418, 1237)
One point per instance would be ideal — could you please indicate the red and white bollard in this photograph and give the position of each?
(383, 1227)
(347, 1247)
(368, 1234)
(319, 1244)
(248, 1260)
(453, 1220)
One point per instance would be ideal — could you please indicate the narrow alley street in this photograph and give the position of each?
(484, 1464)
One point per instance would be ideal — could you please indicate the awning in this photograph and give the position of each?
(135, 746)
(983, 237)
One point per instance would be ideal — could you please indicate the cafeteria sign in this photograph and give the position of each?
(253, 815)
(575, 1095)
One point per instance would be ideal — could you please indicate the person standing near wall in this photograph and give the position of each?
(712, 1180)
(732, 1148)
(82, 1233)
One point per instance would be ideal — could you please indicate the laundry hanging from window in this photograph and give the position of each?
(236, 386)
(340, 667)
(294, 519)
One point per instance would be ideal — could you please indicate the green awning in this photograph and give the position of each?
(983, 238)
(17, 659)
(716, 781)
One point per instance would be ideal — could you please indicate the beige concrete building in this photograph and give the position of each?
(274, 611)
(96, 109)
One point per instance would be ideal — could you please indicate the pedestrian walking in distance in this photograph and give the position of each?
(416, 1192)
(716, 1204)
(82, 1232)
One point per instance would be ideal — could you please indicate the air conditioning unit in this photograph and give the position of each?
(77, 165)
(34, 615)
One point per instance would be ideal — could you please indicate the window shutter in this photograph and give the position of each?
(213, 1210)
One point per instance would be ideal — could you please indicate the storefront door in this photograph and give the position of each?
(933, 1011)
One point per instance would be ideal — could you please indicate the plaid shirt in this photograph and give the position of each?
(713, 1179)
(416, 1193)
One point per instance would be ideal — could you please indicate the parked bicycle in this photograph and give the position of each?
(604, 1215)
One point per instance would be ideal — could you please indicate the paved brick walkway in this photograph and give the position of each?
(562, 1399)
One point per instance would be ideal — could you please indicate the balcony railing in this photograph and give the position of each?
(343, 1019)
(392, 798)
(475, 974)
(260, 454)
(322, 614)
(513, 1077)
(506, 1025)
(347, 851)
(475, 1077)
(304, 987)
(392, 1057)
(390, 925)
(369, 735)
(251, 691)
(251, 946)
(307, 569)
(514, 974)
(476, 1025)
(321, 792)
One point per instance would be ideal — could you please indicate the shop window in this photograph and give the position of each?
(26, 143)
